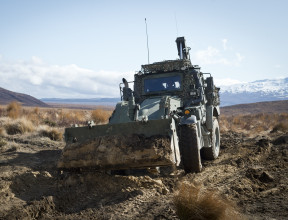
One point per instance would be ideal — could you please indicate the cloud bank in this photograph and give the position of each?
(41, 80)
(224, 56)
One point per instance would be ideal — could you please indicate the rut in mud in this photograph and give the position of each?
(250, 172)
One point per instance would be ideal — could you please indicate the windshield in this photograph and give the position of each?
(162, 84)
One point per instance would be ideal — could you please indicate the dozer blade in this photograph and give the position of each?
(121, 146)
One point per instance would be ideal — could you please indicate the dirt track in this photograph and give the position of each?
(251, 172)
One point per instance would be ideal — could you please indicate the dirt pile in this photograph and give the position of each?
(250, 172)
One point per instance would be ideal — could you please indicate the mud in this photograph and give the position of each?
(117, 152)
(250, 172)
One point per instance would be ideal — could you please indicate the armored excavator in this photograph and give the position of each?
(169, 118)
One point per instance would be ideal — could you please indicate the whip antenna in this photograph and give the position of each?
(147, 41)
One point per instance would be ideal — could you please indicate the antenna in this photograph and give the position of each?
(147, 40)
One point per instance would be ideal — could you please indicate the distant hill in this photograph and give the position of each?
(256, 108)
(7, 96)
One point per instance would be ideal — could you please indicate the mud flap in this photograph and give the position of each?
(121, 146)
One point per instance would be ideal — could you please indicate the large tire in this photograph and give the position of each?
(211, 153)
(190, 148)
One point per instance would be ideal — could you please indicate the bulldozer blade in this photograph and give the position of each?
(121, 146)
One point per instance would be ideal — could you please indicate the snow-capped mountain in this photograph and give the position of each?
(257, 91)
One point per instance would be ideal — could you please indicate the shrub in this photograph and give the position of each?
(14, 110)
(54, 134)
(192, 202)
(19, 126)
(100, 116)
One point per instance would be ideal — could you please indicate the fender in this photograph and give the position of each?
(211, 111)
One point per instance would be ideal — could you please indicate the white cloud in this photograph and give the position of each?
(36, 60)
(212, 55)
(69, 81)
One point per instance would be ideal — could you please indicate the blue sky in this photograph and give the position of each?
(82, 49)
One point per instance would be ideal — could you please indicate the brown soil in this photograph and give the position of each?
(250, 172)
(103, 152)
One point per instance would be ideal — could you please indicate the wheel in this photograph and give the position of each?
(190, 148)
(211, 153)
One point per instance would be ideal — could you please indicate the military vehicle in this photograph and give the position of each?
(170, 118)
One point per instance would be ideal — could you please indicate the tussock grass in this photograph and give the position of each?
(14, 110)
(55, 117)
(19, 126)
(255, 123)
(53, 133)
(280, 127)
(195, 202)
(100, 116)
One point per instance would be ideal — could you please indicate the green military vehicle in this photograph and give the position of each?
(169, 118)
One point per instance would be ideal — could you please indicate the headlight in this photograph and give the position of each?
(187, 112)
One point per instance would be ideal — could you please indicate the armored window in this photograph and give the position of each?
(162, 84)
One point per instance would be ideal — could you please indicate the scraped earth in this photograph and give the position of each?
(250, 172)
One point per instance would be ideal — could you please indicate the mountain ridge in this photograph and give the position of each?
(256, 91)
(7, 96)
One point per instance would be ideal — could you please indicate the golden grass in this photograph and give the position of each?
(53, 133)
(19, 126)
(280, 127)
(56, 117)
(14, 110)
(195, 202)
(100, 116)
(49, 122)
(255, 123)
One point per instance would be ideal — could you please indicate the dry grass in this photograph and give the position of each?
(53, 133)
(2, 132)
(19, 126)
(195, 202)
(255, 123)
(56, 117)
(280, 127)
(14, 110)
(100, 116)
(2, 142)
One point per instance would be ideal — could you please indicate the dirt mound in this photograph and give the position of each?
(250, 172)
